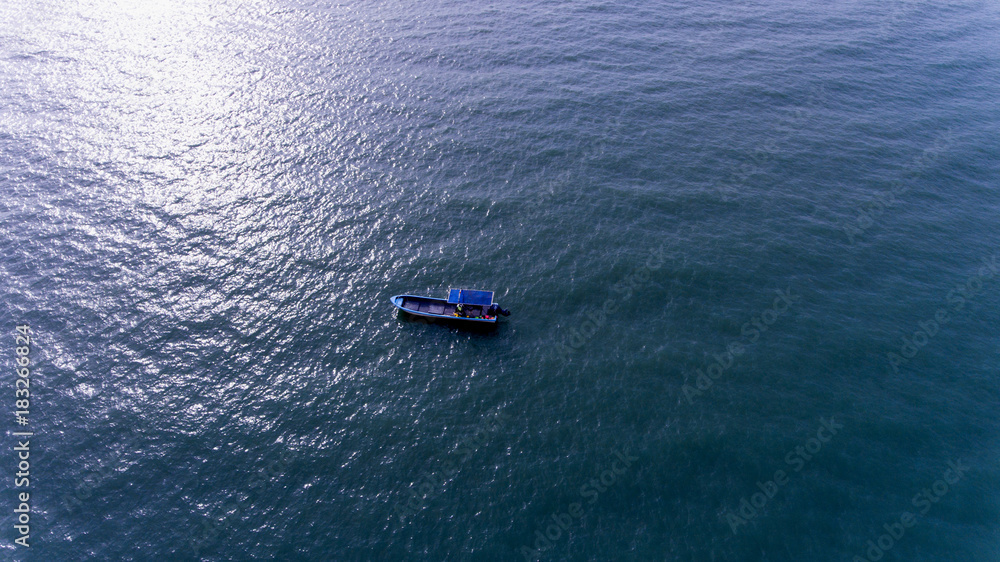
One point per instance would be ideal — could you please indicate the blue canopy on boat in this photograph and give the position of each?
(469, 296)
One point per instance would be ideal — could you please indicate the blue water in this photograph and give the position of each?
(751, 252)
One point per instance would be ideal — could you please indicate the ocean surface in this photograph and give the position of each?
(751, 249)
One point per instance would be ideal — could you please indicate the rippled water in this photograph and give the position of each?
(726, 231)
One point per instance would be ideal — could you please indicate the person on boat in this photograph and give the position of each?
(458, 310)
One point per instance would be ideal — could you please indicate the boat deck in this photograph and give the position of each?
(444, 308)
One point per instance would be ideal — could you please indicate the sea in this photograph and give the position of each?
(751, 251)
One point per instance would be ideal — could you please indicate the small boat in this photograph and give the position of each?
(466, 306)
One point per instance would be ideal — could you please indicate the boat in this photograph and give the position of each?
(465, 306)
